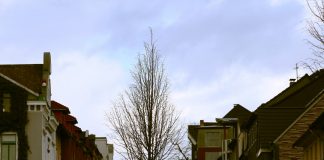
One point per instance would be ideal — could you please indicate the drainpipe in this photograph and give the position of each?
(224, 144)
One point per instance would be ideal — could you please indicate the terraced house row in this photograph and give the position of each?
(290, 126)
(33, 127)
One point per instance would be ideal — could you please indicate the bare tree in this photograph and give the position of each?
(183, 146)
(144, 121)
(316, 30)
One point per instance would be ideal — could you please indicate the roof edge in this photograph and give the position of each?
(193, 141)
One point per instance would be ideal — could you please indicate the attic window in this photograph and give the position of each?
(6, 102)
(212, 139)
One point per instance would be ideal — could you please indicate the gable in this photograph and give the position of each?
(295, 131)
(6, 82)
(239, 112)
(28, 75)
(315, 109)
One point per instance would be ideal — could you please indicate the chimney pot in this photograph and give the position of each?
(292, 81)
(201, 122)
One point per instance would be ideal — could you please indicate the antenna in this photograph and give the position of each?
(296, 68)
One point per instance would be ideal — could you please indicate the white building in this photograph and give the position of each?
(106, 150)
(27, 125)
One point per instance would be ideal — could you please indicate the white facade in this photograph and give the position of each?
(104, 148)
(41, 131)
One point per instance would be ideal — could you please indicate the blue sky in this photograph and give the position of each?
(217, 53)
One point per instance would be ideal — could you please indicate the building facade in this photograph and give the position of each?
(213, 140)
(106, 150)
(29, 129)
(25, 112)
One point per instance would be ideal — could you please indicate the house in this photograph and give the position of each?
(220, 139)
(274, 127)
(287, 127)
(25, 114)
(106, 150)
(210, 139)
(34, 127)
(244, 116)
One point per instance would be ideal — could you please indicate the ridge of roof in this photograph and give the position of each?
(276, 115)
(237, 107)
(297, 87)
(239, 112)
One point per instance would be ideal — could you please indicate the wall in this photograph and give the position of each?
(315, 150)
(41, 131)
(34, 132)
(102, 146)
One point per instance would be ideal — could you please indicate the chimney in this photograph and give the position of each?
(201, 122)
(86, 133)
(292, 81)
(46, 87)
(47, 62)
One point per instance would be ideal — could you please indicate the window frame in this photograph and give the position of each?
(213, 138)
(9, 143)
(6, 102)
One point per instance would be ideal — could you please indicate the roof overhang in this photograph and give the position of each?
(19, 85)
(227, 120)
(192, 140)
(263, 150)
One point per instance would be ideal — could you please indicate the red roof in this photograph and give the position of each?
(59, 107)
(71, 119)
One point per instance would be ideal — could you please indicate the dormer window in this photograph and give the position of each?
(6, 102)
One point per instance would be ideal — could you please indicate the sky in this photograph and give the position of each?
(216, 53)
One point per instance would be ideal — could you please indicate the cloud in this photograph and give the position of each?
(217, 53)
(220, 35)
(5, 4)
(236, 85)
(86, 84)
(276, 3)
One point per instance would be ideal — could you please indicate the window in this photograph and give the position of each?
(32, 107)
(212, 155)
(6, 105)
(8, 146)
(213, 139)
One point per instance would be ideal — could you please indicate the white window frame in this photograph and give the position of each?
(16, 137)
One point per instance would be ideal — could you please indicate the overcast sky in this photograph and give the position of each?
(216, 52)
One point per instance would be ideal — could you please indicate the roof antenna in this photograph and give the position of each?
(296, 68)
